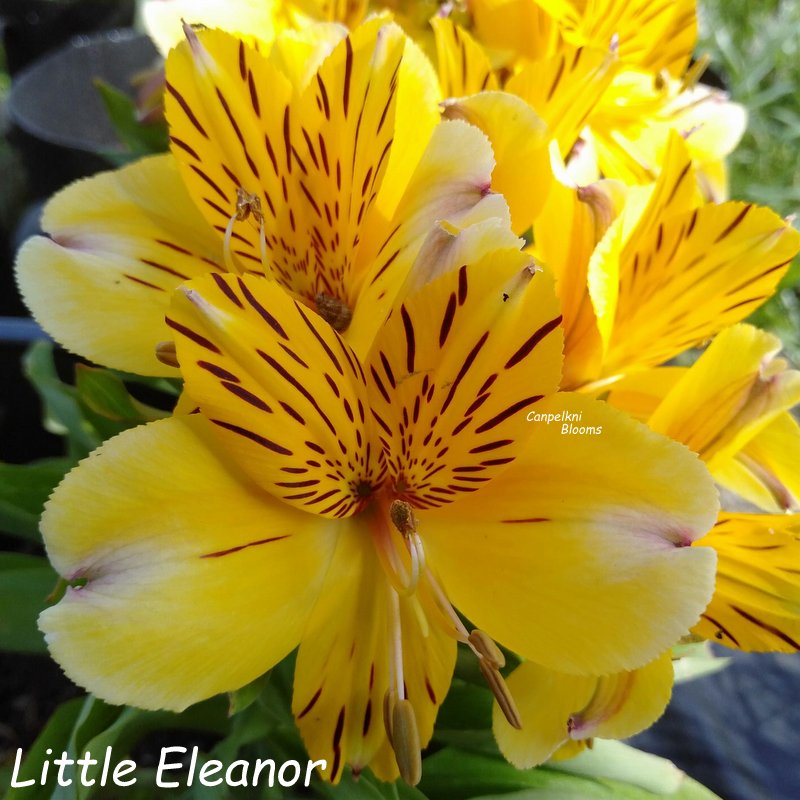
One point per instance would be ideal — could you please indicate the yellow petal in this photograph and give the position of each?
(756, 603)
(451, 187)
(252, 19)
(686, 278)
(182, 598)
(558, 709)
(522, 172)
(728, 395)
(463, 66)
(653, 34)
(512, 29)
(564, 88)
(447, 247)
(765, 471)
(415, 119)
(344, 665)
(576, 555)
(640, 393)
(286, 395)
(299, 54)
(120, 242)
(454, 370)
(565, 233)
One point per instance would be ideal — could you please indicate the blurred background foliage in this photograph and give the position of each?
(755, 51)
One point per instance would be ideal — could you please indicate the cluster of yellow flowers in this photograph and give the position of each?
(397, 414)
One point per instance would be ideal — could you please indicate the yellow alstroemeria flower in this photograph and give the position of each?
(648, 272)
(328, 180)
(348, 506)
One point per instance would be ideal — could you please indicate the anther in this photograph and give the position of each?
(402, 516)
(247, 205)
(336, 313)
(486, 648)
(501, 692)
(165, 353)
(405, 742)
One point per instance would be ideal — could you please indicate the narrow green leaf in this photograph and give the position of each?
(455, 775)
(25, 584)
(105, 394)
(24, 488)
(139, 139)
(55, 737)
(243, 698)
(62, 410)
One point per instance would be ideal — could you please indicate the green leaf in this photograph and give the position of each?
(696, 660)
(455, 775)
(24, 488)
(243, 698)
(62, 410)
(106, 395)
(621, 762)
(55, 736)
(25, 585)
(139, 140)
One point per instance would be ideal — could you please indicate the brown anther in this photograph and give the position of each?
(247, 204)
(402, 516)
(405, 742)
(501, 693)
(485, 647)
(165, 353)
(336, 313)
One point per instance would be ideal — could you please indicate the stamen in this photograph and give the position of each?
(396, 676)
(501, 692)
(405, 742)
(391, 562)
(166, 354)
(453, 624)
(485, 647)
(402, 516)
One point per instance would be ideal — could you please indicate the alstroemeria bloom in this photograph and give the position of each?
(349, 506)
(327, 178)
(666, 274)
